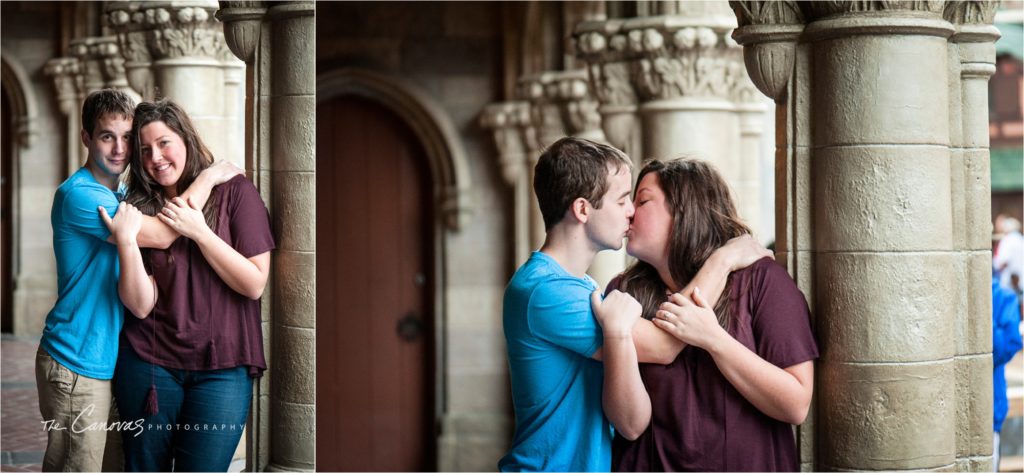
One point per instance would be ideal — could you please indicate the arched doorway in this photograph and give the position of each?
(375, 286)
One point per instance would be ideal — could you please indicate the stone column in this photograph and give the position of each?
(234, 103)
(65, 72)
(248, 37)
(112, 65)
(684, 73)
(972, 62)
(129, 25)
(869, 156)
(579, 110)
(883, 238)
(546, 119)
(293, 177)
(184, 42)
(609, 72)
(509, 122)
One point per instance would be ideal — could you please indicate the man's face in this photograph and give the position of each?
(607, 225)
(109, 144)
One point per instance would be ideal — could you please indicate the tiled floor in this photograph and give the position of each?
(21, 432)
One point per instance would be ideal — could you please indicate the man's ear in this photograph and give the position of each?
(86, 139)
(580, 209)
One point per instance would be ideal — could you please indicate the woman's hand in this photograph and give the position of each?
(185, 218)
(126, 223)
(692, 322)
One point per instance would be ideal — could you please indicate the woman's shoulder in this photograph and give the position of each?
(765, 274)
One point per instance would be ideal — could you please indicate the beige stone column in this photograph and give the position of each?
(184, 43)
(293, 169)
(869, 183)
(234, 103)
(129, 25)
(548, 126)
(883, 239)
(609, 72)
(247, 35)
(65, 72)
(972, 62)
(579, 109)
(509, 123)
(681, 74)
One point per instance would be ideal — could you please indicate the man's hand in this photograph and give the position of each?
(742, 251)
(220, 172)
(126, 223)
(616, 313)
(185, 218)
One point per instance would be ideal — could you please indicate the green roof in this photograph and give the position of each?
(1012, 40)
(1007, 169)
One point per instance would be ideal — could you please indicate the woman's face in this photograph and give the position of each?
(163, 153)
(649, 230)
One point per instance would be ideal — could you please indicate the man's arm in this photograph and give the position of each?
(654, 345)
(156, 234)
(136, 289)
(624, 397)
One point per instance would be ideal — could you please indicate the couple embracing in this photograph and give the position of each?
(183, 246)
(698, 357)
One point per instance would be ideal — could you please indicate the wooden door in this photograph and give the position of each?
(374, 281)
(6, 224)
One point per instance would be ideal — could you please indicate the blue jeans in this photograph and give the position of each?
(200, 419)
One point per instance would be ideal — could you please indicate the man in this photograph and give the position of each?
(78, 349)
(557, 328)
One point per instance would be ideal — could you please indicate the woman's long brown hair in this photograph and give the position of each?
(143, 191)
(703, 219)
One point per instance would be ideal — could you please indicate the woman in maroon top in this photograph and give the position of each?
(189, 356)
(729, 399)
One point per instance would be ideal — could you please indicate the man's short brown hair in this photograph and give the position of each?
(103, 102)
(572, 168)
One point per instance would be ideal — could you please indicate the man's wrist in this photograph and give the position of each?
(130, 242)
(618, 334)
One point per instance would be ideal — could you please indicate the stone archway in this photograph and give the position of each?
(21, 105)
(449, 183)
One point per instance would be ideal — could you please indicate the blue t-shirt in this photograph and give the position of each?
(1006, 342)
(551, 334)
(82, 328)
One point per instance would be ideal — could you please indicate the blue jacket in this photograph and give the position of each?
(1006, 342)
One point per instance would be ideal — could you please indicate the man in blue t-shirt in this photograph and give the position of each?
(78, 349)
(573, 355)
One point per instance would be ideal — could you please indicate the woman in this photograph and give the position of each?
(189, 356)
(728, 400)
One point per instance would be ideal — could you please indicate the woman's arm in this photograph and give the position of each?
(136, 289)
(655, 346)
(246, 276)
(783, 394)
(155, 234)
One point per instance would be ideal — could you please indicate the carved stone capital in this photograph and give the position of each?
(90, 54)
(509, 123)
(768, 32)
(66, 74)
(672, 57)
(973, 22)
(578, 107)
(242, 25)
(172, 29)
(814, 11)
(545, 115)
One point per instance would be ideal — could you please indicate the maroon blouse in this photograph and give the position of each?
(201, 323)
(699, 421)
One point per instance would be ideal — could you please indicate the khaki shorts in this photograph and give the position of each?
(76, 411)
